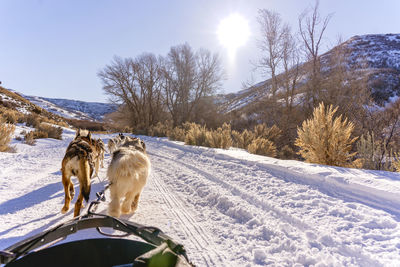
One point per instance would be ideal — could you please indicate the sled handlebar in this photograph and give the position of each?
(150, 234)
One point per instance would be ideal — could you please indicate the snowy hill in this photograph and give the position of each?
(73, 109)
(227, 207)
(377, 56)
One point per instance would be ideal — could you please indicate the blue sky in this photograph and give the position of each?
(54, 48)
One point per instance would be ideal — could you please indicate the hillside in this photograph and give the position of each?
(13, 101)
(73, 109)
(56, 109)
(376, 56)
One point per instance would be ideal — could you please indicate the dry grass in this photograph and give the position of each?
(6, 132)
(89, 125)
(220, 138)
(271, 133)
(32, 120)
(49, 130)
(223, 137)
(29, 138)
(10, 115)
(262, 146)
(196, 136)
(326, 140)
(242, 140)
(44, 130)
(177, 134)
(160, 129)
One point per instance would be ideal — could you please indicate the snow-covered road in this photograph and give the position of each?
(228, 207)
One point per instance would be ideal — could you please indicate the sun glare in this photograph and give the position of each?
(233, 32)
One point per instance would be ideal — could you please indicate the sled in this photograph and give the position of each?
(154, 249)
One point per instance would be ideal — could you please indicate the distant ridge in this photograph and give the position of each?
(73, 109)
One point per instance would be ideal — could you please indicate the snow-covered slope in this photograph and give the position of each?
(73, 109)
(376, 55)
(228, 207)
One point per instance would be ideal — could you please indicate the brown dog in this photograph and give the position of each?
(78, 161)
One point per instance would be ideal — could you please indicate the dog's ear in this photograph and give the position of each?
(78, 132)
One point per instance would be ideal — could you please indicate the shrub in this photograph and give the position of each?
(29, 138)
(159, 130)
(32, 120)
(325, 140)
(272, 133)
(6, 132)
(37, 134)
(10, 116)
(220, 138)
(49, 130)
(286, 152)
(177, 134)
(396, 162)
(235, 138)
(373, 154)
(196, 136)
(262, 146)
(91, 125)
(242, 140)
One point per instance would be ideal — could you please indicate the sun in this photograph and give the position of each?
(233, 32)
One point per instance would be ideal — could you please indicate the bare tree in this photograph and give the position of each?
(281, 61)
(289, 81)
(136, 84)
(311, 29)
(188, 77)
(273, 35)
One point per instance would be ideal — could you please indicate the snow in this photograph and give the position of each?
(227, 207)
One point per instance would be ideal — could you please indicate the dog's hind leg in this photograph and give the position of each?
(71, 190)
(96, 164)
(135, 202)
(102, 159)
(114, 208)
(78, 204)
(84, 185)
(126, 205)
(66, 181)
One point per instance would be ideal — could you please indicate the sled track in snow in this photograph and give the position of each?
(194, 233)
(261, 204)
(180, 161)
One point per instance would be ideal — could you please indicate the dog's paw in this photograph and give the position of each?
(114, 213)
(134, 206)
(126, 209)
(64, 210)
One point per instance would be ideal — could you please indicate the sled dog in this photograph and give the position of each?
(127, 173)
(78, 161)
(98, 155)
(113, 143)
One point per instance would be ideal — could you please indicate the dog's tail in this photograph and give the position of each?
(84, 179)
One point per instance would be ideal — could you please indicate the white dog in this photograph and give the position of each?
(113, 143)
(127, 173)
